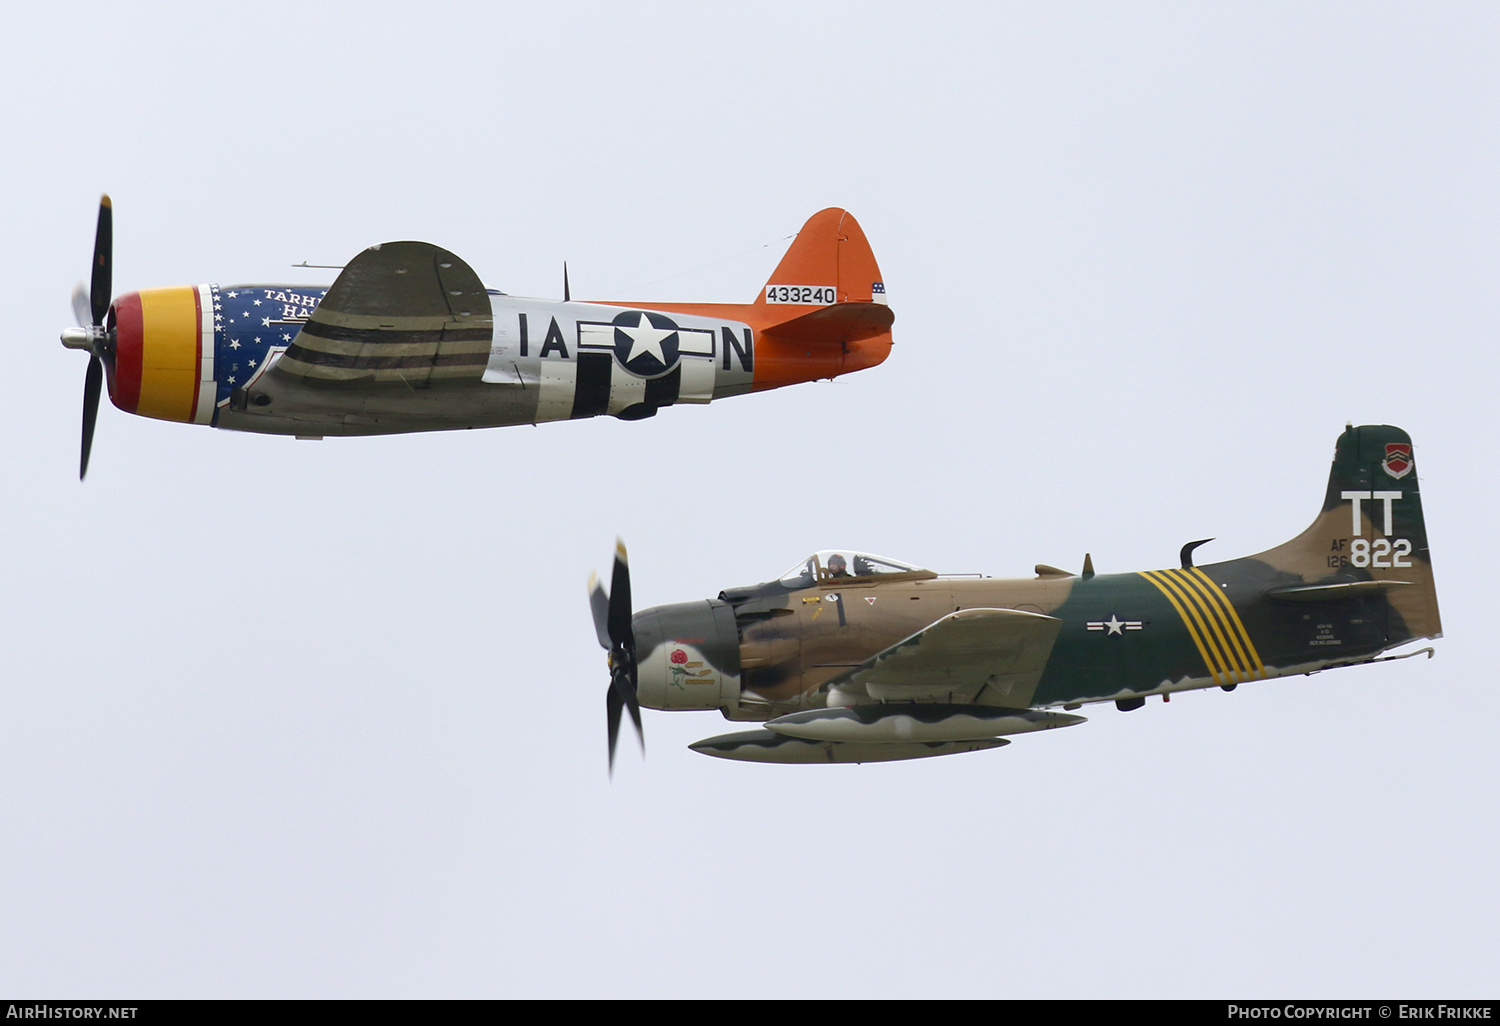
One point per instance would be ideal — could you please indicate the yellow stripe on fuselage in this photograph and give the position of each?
(1237, 626)
(169, 353)
(1234, 659)
(1191, 622)
(1210, 619)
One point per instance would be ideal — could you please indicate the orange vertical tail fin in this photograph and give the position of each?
(830, 261)
(824, 311)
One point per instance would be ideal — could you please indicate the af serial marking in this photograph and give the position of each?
(889, 681)
(408, 338)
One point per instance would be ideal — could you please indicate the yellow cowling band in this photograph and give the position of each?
(171, 322)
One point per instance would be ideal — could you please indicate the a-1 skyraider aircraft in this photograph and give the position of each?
(851, 657)
(407, 338)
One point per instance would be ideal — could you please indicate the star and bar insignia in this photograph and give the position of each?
(1114, 625)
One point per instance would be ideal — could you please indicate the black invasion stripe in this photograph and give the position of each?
(338, 333)
(591, 390)
(663, 391)
(318, 358)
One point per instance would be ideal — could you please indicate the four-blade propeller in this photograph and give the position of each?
(90, 311)
(612, 624)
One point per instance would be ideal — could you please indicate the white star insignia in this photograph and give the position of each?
(645, 338)
(265, 322)
(231, 379)
(232, 295)
(1114, 623)
(234, 344)
(286, 338)
(257, 302)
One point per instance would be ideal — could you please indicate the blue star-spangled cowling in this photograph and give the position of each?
(251, 321)
(646, 344)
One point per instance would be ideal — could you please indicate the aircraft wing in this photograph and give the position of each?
(402, 313)
(971, 657)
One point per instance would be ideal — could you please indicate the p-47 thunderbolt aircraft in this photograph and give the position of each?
(851, 657)
(407, 338)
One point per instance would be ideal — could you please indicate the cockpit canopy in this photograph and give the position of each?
(844, 565)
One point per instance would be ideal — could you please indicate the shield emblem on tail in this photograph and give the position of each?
(1397, 459)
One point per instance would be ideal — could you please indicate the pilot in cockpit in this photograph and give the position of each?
(837, 567)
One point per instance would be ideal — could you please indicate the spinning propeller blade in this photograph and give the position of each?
(91, 382)
(612, 625)
(599, 604)
(90, 310)
(99, 287)
(83, 312)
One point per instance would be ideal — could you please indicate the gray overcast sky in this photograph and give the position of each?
(326, 719)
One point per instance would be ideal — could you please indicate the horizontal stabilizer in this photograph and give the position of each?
(1333, 592)
(768, 746)
(836, 324)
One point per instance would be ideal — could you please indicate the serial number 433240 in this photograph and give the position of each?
(812, 295)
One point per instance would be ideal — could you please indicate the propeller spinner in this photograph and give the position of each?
(90, 311)
(612, 625)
